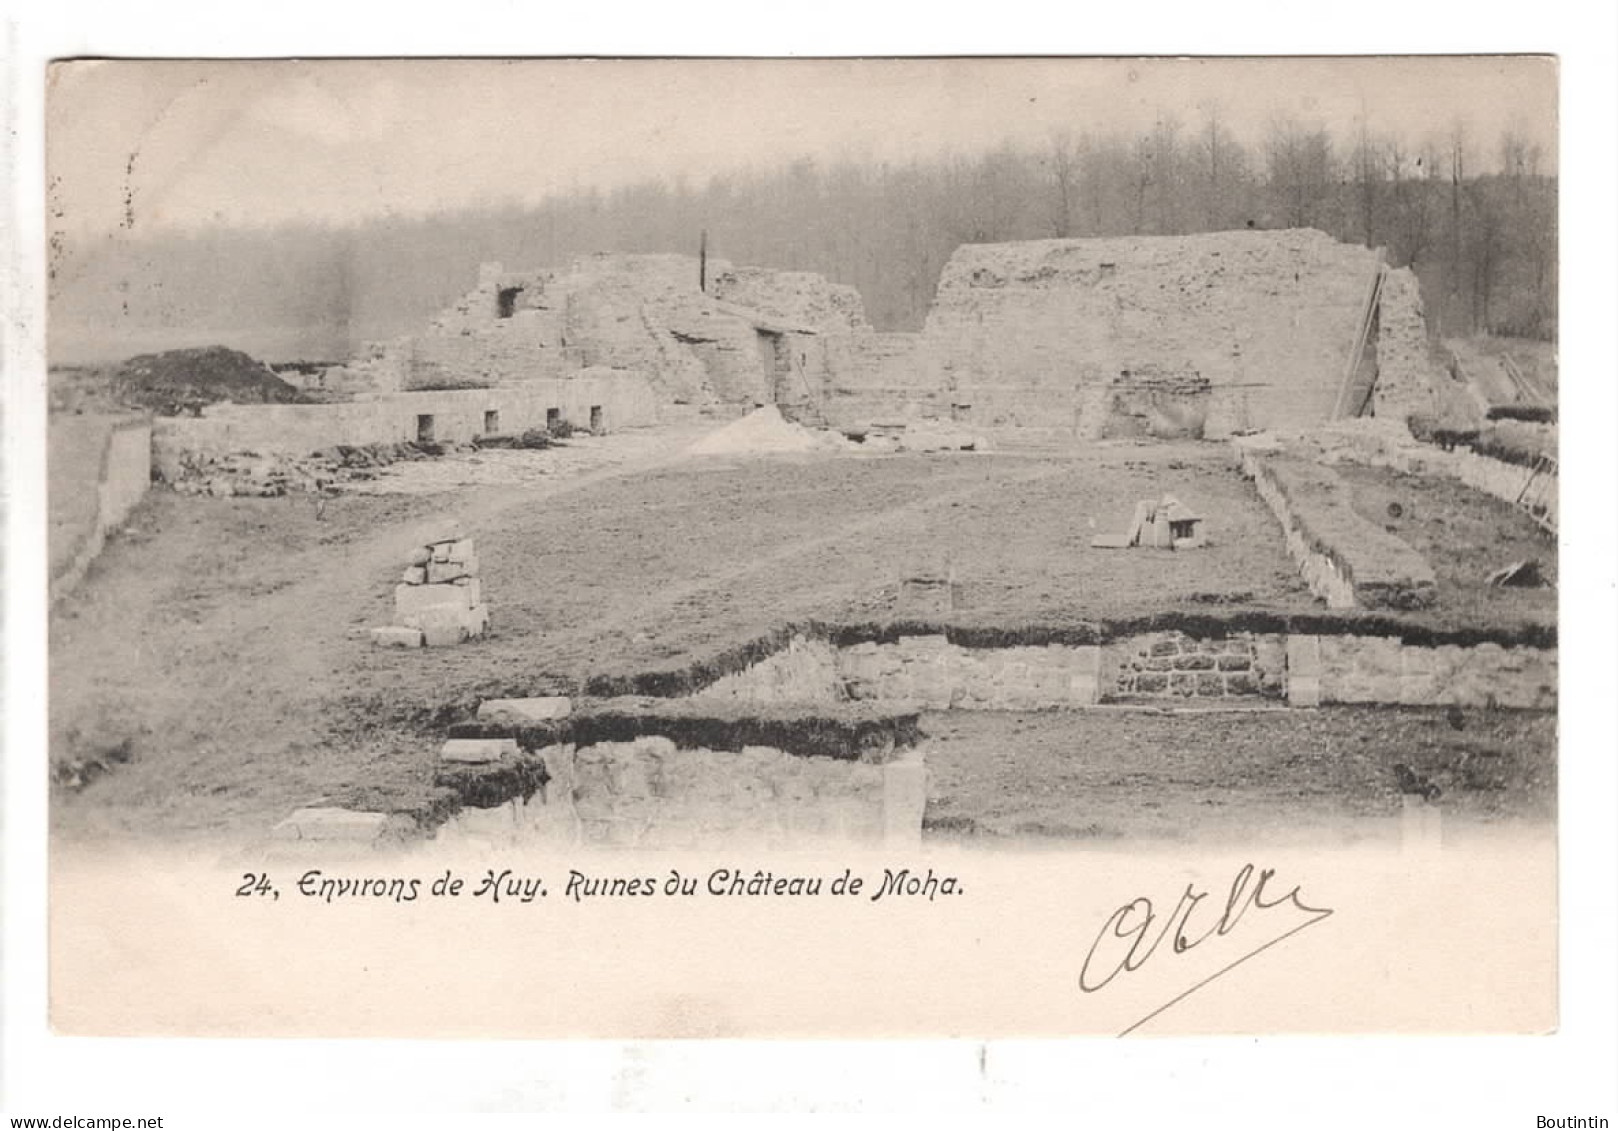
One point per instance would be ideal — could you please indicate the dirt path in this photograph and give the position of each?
(215, 632)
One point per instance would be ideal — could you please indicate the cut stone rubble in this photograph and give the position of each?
(439, 601)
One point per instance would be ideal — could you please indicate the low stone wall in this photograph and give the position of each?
(124, 472)
(1498, 478)
(1173, 665)
(458, 415)
(1346, 560)
(930, 673)
(660, 790)
(648, 793)
(1382, 669)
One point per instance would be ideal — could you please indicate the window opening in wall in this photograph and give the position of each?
(553, 417)
(507, 301)
(597, 419)
(424, 428)
(491, 421)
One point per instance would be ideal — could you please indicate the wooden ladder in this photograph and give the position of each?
(1353, 395)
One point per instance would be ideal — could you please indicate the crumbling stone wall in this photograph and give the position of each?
(648, 793)
(1347, 561)
(1023, 330)
(85, 511)
(755, 337)
(1383, 669)
(458, 415)
(1405, 375)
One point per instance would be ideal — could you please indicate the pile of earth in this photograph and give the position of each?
(182, 382)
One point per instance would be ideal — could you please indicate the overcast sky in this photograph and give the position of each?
(181, 144)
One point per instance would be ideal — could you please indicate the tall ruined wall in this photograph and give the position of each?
(1037, 333)
(1405, 373)
(754, 337)
(892, 377)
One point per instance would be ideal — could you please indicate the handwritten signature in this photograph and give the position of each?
(1127, 940)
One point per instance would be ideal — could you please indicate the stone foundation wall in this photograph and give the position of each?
(651, 793)
(933, 673)
(1172, 665)
(1381, 669)
(928, 672)
(1347, 561)
(1498, 478)
(124, 472)
(458, 416)
(648, 793)
(806, 671)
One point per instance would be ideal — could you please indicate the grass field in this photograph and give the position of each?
(227, 638)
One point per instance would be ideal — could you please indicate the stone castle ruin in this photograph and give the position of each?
(1201, 336)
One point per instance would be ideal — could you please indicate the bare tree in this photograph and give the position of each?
(1301, 170)
(1369, 157)
(1064, 172)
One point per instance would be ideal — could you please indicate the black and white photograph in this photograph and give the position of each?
(801, 547)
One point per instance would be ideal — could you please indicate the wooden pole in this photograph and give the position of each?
(702, 263)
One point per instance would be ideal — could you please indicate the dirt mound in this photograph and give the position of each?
(764, 430)
(182, 381)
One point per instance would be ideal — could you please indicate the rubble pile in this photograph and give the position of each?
(273, 474)
(439, 600)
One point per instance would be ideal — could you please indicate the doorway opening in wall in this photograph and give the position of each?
(597, 420)
(424, 428)
(506, 301)
(553, 417)
(491, 421)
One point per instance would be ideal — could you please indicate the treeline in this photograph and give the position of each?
(1484, 244)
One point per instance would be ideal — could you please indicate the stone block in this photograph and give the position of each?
(415, 575)
(463, 551)
(410, 599)
(420, 556)
(497, 821)
(1197, 663)
(474, 590)
(478, 750)
(1152, 683)
(332, 824)
(1235, 663)
(1418, 676)
(442, 626)
(396, 636)
(477, 620)
(441, 552)
(1111, 542)
(1241, 683)
(1210, 684)
(535, 708)
(1303, 655)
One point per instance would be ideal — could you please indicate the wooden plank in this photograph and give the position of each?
(1350, 394)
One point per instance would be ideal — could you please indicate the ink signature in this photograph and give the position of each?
(1127, 940)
